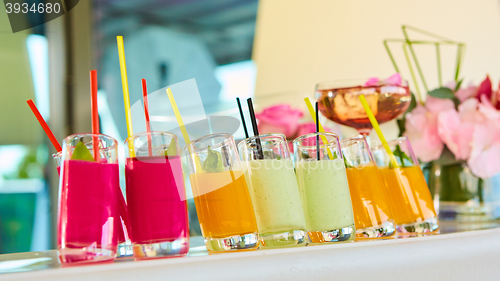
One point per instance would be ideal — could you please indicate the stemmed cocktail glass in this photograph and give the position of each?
(339, 101)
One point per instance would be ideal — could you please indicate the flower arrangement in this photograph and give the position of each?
(464, 120)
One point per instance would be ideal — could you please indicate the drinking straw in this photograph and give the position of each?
(146, 112)
(182, 127)
(242, 117)
(178, 117)
(375, 125)
(126, 96)
(260, 154)
(321, 129)
(44, 125)
(317, 131)
(95, 113)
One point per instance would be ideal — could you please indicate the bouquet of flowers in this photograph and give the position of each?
(462, 120)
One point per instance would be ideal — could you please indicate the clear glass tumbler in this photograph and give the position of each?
(156, 196)
(324, 189)
(221, 195)
(275, 193)
(407, 189)
(124, 249)
(88, 210)
(372, 212)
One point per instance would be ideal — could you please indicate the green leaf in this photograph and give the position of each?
(82, 153)
(171, 149)
(444, 93)
(413, 104)
(398, 152)
(347, 165)
(213, 163)
(459, 84)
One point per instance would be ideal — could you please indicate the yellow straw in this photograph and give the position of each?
(178, 116)
(321, 129)
(375, 125)
(182, 126)
(126, 96)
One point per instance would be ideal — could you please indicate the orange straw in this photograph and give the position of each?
(146, 112)
(95, 113)
(44, 125)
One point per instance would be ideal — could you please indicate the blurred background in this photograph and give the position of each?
(274, 51)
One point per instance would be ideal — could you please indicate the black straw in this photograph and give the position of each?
(260, 154)
(242, 118)
(317, 131)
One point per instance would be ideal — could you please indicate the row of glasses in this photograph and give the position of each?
(334, 192)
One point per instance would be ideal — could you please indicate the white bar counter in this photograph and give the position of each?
(472, 255)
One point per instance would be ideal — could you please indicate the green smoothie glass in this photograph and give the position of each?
(274, 191)
(324, 188)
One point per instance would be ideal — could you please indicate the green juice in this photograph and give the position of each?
(275, 196)
(325, 194)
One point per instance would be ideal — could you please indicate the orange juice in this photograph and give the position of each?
(223, 204)
(368, 195)
(408, 194)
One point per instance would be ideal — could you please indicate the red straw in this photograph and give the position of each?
(95, 113)
(44, 125)
(146, 111)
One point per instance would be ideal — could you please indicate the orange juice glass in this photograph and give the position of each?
(221, 195)
(372, 212)
(407, 190)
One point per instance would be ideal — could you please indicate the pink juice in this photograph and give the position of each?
(88, 228)
(122, 237)
(156, 200)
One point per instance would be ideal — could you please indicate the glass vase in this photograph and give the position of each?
(463, 196)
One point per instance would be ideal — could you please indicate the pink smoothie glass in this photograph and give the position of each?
(89, 223)
(124, 245)
(156, 196)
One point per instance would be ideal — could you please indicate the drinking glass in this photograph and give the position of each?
(324, 188)
(88, 210)
(221, 195)
(372, 212)
(274, 190)
(339, 102)
(124, 249)
(407, 189)
(156, 196)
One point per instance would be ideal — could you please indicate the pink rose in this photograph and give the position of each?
(473, 133)
(279, 119)
(455, 133)
(485, 89)
(393, 80)
(484, 159)
(422, 128)
(437, 105)
(373, 81)
(464, 93)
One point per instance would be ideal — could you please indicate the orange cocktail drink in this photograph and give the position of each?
(373, 215)
(221, 195)
(370, 205)
(409, 194)
(406, 188)
(223, 204)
